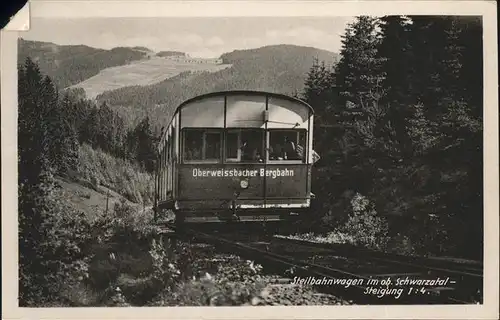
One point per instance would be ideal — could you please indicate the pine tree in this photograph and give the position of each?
(436, 62)
(397, 65)
(34, 177)
(358, 71)
(32, 131)
(90, 132)
(360, 80)
(146, 144)
(106, 137)
(63, 139)
(416, 144)
(445, 125)
(319, 88)
(321, 93)
(471, 73)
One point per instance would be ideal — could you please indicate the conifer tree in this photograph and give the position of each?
(360, 81)
(358, 71)
(320, 88)
(397, 64)
(90, 128)
(63, 141)
(146, 144)
(321, 93)
(34, 177)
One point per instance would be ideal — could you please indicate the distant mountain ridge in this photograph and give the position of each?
(70, 64)
(277, 68)
(280, 49)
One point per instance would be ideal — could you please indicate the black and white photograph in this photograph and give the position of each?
(254, 161)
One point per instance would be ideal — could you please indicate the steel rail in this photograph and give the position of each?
(415, 262)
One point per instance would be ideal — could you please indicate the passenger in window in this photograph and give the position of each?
(212, 147)
(256, 156)
(276, 152)
(245, 153)
(290, 152)
(250, 152)
(193, 152)
(272, 155)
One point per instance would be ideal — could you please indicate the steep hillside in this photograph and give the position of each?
(281, 68)
(70, 64)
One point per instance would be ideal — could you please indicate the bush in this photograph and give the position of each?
(53, 240)
(364, 227)
(120, 175)
(129, 263)
(234, 285)
(67, 259)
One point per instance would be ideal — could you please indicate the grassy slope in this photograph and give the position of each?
(140, 73)
(103, 178)
(85, 198)
(119, 175)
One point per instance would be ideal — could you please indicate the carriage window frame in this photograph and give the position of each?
(282, 161)
(204, 145)
(238, 148)
(238, 159)
(168, 148)
(173, 145)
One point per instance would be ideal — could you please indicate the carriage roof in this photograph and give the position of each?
(248, 93)
(243, 108)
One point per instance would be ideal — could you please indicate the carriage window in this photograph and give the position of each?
(202, 144)
(212, 145)
(232, 143)
(287, 145)
(173, 143)
(166, 147)
(245, 145)
(193, 144)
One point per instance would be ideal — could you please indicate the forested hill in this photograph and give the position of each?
(170, 53)
(70, 64)
(141, 48)
(280, 68)
(285, 52)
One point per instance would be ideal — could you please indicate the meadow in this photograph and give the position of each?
(141, 73)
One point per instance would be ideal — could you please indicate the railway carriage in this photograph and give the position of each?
(236, 156)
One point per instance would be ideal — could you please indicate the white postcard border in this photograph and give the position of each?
(47, 9)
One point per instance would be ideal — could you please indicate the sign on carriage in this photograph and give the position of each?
(230, 173)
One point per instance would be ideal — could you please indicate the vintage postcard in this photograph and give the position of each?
(287, 159)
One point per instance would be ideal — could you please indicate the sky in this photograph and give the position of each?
(199, 37)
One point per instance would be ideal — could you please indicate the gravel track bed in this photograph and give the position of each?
(227, 279)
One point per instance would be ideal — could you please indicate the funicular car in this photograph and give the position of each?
(236, 156)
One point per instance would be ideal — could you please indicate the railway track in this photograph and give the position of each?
(464, 280)
(473, 269)
(361, 276)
